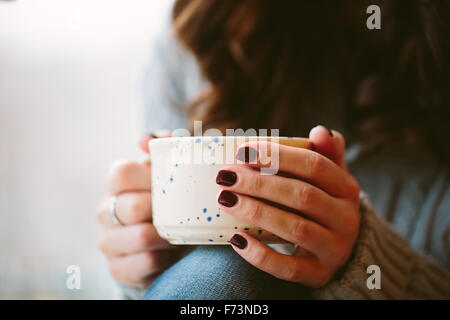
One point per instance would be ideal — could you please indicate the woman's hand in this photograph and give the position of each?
(135, 252)
(313, 183)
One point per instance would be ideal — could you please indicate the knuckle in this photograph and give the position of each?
(301, 232)
(256, 184)
(114, 271)
(254, 212)
(323, 276)
(115, 168)
(294, 273)
(354, 188)
(259, 257)
(304, 196)
(136, 209)
(102, 244)
(345, 254)
(151, 261)
(341, 252)
(352, 230)
(320, 276)
(354, 223)
(315, 163)
(121, 171)
(145, 236)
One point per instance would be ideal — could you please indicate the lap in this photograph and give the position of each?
(218, 273)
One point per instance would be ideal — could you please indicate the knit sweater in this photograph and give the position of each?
(404, 273)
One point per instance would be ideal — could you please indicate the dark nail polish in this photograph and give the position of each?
(152, 135)
(246, 154)
(227, 198)
(238, 241)
(226, 178)
(330, 132)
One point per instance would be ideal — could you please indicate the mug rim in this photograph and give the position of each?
(168, 139)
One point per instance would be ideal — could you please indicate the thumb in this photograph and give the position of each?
(144, 140)
(329, 143)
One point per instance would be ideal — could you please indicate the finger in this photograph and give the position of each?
(285, 267)
(329, 143)
(131, 239)
(159, 134)
(291, 193)
(144, 140)
(104, 215)
(302, 163)
(131, 208)
(289, 226)
(163, 133)
(126, 176)
(136, 269)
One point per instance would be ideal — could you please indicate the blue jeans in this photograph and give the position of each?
(217, 273)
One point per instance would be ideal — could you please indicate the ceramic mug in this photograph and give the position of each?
(184, 189)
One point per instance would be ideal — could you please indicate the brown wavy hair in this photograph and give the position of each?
(294, 64)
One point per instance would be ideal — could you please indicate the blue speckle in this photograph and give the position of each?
(209, 219)
(217, 215)
(176, 164)
(259, 231)
(181, 222)
(204, 210)
(198, 140)
(171, 179)
(216, 139)
(210, 240)
(209, 147)
(164, 191)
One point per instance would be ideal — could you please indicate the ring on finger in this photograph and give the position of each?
(113, 211)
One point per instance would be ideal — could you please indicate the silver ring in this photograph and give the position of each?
(112, 211)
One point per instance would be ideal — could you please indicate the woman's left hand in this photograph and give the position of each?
(313, 183)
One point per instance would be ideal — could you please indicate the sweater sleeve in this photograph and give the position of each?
(404, 273)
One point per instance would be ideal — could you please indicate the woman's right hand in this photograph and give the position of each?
(134, 251)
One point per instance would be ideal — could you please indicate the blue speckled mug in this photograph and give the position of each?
(184, 190)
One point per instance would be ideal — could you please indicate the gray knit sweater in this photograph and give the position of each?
(404, 273)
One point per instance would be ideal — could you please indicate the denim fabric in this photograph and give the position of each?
(217, 273)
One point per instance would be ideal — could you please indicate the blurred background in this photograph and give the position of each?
(71, 76)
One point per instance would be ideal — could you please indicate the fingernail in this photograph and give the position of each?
(238, 241)
(226, 178)
(330, 132)
(152, 135)
(246, 154)
(228, 199)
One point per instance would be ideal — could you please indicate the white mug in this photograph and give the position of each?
(184, 189)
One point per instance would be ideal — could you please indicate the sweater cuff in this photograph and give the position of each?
(378, 244)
